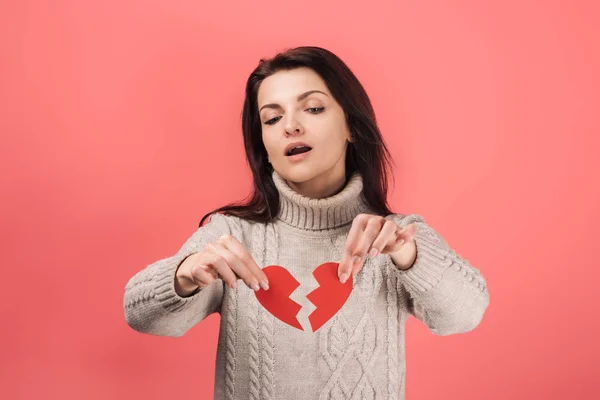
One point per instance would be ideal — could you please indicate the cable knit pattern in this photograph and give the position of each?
(266, 328)
(362, 343)
(230, 315)
(253, 342)
(231, 339)
(360, 352)
(392, 327)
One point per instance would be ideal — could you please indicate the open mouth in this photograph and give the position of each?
(298, 150)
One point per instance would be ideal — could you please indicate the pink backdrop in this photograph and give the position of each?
(120, 127)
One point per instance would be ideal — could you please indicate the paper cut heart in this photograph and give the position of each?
(329, 297)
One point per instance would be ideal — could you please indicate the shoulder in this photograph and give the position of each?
(237, 226)
(215, 225)
(217, 220)
(221, 222)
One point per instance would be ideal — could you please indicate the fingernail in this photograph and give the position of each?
(401, 242)
(355, 259)
(264, 285)
(234, 285)
(254, 286)
(373, 252)
(343, 277)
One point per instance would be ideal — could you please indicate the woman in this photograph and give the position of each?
(330, 273)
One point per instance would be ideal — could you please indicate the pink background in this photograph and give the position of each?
(120, 125)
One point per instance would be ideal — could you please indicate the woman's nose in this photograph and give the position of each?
(292, 126)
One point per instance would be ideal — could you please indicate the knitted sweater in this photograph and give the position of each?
(358, 353)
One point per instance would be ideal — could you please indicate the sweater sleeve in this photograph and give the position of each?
(445, 291)
(150, 302)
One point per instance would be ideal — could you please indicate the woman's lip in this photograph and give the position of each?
(292, 145)
(299, 157)
(287, 151)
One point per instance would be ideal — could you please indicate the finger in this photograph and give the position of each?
(209, 269)
(348, 260)
(403, 235)
(411, 230)
(215, 259)
(235, 264)
(345, 266)
(202, 277)
(370, 233)
(233, 245)
(388, 235)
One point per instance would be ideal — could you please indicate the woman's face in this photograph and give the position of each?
(296, 106)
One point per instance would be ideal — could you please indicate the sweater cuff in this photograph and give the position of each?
(429, 266)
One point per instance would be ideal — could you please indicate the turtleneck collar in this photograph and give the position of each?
(320, 214)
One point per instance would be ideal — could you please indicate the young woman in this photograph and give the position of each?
(329, 273)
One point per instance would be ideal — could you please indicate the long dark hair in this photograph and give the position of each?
(367, 153)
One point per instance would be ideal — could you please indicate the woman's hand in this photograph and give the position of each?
(227, 259)
(373, 234)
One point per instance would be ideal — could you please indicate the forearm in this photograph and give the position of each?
(152, 304)
(446, 292)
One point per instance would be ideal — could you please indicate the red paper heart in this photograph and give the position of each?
(329, 297)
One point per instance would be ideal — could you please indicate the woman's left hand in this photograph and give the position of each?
(373, 234)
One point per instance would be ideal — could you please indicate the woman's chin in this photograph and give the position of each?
(298, 174)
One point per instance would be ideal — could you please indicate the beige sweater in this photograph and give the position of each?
(357, 354)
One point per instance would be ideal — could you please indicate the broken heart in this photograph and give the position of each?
(329, 297)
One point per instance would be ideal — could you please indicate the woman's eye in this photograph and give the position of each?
(272, 121)
(313, 110)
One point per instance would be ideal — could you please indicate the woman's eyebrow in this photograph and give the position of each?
(300, 98)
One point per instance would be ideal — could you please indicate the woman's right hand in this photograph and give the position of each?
(227, 259)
